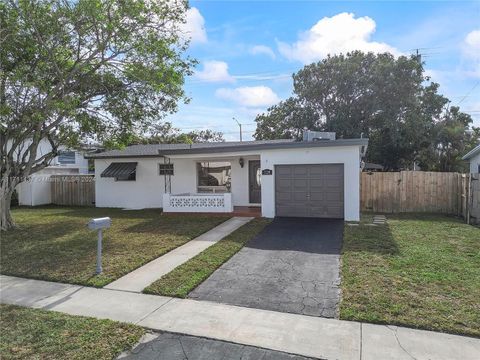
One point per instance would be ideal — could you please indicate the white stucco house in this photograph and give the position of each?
(311, 178)
(473, 157)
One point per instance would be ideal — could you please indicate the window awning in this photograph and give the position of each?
(120, 170)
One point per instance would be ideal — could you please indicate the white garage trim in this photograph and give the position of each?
(349, 156)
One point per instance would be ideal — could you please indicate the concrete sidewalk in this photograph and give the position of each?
(297, 334)
(140, 278)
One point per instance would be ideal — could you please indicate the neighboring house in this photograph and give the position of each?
(473, 157)
(36, 189)
(319, 178)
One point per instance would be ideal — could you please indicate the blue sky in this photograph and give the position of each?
(247, 51)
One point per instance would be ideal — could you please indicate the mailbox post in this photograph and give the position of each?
(99, 224)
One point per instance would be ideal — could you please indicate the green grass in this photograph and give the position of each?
(39, 334)
(53, 243)
(183, 279)
(420, 271)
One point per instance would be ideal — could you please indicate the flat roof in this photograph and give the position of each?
(160, 150)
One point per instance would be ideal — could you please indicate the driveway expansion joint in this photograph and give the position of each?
(151, 312)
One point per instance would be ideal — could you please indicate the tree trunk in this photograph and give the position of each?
(6, 220)
(7, 187)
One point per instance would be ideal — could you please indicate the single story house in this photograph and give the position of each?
(473, 157)
(316, 177)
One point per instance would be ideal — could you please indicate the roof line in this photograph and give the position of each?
(92, 156)
(472, 153)
(238, 148)
(295, 145)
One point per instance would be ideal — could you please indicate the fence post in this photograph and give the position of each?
(467, 202)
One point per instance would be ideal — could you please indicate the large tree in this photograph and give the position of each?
(287, 120)
(452, 138)
(83, 69)
(387, 99)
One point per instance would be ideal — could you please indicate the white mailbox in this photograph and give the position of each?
(100, 223)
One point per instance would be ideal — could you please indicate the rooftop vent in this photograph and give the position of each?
(309, 135)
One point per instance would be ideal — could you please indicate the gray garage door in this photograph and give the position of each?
(309, 190)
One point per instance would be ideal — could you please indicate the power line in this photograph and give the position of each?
(253, 76)
(468, 93)
(204, 127)
(427, 48)
(236, 132)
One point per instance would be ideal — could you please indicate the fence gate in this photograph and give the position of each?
(73, 190)
(414, 191)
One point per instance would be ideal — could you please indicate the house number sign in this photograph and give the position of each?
(267, 172)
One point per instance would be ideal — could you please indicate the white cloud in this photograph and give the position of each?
(472, 44)
(471, 51)
(332, 35)
(194, 28)
(214, 71)
(249, 96)
(262, 50)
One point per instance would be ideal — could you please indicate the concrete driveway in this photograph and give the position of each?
(292, 266)
(167, 346)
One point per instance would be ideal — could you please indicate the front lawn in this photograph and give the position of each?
(39, 334)
(419, 271)
(53, 243)
(183, 279)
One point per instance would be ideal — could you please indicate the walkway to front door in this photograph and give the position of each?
(292, 266)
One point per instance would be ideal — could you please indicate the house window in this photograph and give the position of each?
(165, 169)
(66, 157)
(131, 177)
(214, 177)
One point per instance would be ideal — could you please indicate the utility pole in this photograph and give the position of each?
(240, 126)
(418, 55)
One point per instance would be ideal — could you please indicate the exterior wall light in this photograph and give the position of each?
(241, 162)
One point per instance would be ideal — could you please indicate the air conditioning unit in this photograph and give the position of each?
(309, 135)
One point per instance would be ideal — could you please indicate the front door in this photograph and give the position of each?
(254, 181)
